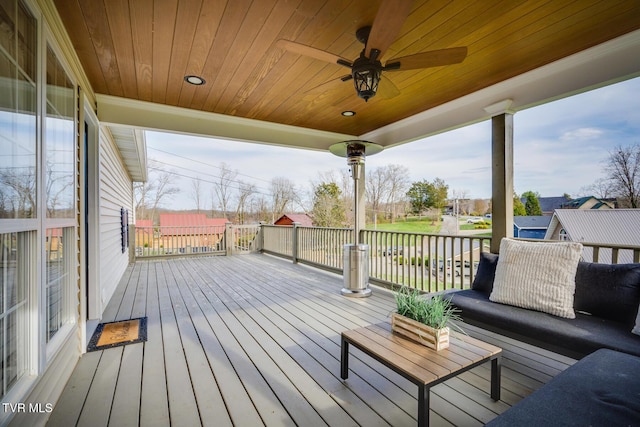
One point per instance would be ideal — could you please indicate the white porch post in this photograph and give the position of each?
(502, 172)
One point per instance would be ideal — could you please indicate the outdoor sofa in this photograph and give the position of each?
(602, 389)
(605, 303)
(597, 321)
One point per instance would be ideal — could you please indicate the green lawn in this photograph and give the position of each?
(410, 226)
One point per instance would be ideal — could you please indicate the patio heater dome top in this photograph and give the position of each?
(355, 148)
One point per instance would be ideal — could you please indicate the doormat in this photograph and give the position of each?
(114, 334)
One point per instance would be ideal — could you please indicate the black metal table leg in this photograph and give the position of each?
(344, 359)
(423, 406)
(496, 367)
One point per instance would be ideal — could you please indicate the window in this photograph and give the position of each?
(14, 281)
(59, 253)
(59, 141)
(38, 203)
(18, 185)
(60, 190)
(18, 32)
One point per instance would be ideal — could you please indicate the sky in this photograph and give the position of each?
(559, 147)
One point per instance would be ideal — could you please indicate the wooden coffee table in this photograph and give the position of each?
(421, 365)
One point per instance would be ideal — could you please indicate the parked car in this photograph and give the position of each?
(390, 251)
(475, 220)
(466, 270)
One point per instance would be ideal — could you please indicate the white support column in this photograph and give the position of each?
(502, 172)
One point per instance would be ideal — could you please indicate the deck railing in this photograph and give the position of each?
(178, 240)
(430, 262)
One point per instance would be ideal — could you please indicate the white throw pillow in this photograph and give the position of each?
(537, 275)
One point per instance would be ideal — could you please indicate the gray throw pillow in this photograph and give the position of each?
(609, 291)
(483, 281)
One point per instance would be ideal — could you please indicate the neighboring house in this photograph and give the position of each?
(288, 219)
(549, 204)
(190, 232)
(601, 226)
(589, 202)
(530, 227)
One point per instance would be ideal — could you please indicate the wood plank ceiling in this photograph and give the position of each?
(142, 49)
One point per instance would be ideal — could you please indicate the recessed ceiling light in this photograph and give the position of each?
(194, 80)
(348, 113)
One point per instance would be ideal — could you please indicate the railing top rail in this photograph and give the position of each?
(327, 228)
(589, 244)
(414, 233)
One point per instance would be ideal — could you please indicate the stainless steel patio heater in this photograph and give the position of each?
(356, 255)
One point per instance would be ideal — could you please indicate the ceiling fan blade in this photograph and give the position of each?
(328, 85)
(312, 52)
(434, 58)
(332, 91)
(386, 89)
(387, 25)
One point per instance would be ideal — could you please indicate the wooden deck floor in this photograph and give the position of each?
(254, 340)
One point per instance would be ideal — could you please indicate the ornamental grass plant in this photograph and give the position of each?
(435, 312)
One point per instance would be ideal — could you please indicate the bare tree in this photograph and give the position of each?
(196, 192)
(460, 199)
(18, 192)
(480, 206)
(623, 172)
(151, 194)
(59, 190)
(398, 181)
(377, 190)
(601, 188)
(223, 186)
(283, 194)
(260, 208)
(245, 192)
(345, 182)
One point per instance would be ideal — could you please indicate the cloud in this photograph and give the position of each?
(582, 134)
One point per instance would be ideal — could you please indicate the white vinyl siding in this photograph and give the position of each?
(116, 192)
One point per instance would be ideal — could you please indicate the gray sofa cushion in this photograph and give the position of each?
(572, 337)
(610, 291)
(600, 390)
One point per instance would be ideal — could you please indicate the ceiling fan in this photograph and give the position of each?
(366, 70)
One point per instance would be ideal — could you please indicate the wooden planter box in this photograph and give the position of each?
(437, 339)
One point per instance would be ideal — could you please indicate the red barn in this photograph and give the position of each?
(288, 219)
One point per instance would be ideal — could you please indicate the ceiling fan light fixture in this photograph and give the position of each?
(348, 113)
(194, 80)
(366, 77)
